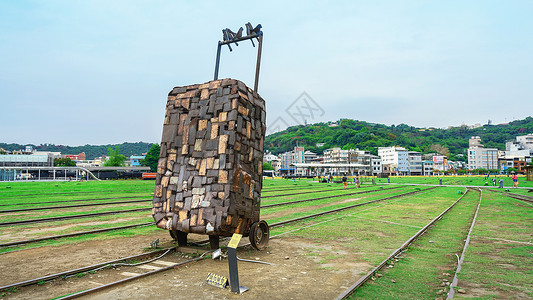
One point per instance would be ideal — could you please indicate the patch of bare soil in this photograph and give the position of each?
(296, 275)
(31, 263)
(303, 269)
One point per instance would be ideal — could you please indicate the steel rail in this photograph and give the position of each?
(10, 244)
(513, 195)
(76, 192)
(347, 207)
(141, 224)
(310, 192)
(369, 275)
(289, 188)
(51, 219)
(327, 197)
(451, 293)
(80, 270)
(74, 200)
(71, 206)
(88, 268)
(86, 292)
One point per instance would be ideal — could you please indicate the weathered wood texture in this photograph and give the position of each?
(210, 168)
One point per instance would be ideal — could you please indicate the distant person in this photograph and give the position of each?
(344, 181)
(388, 179)
(515, 180)
(493, 181)
(357, 181)
(440, 181)
(500, 182)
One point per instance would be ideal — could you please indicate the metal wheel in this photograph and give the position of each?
(179, 236)
(259, 235)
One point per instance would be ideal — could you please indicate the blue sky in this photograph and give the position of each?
(97, 72)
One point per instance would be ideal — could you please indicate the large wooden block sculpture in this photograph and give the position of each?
(209, 174)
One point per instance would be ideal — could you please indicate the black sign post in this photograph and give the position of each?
(232, 264)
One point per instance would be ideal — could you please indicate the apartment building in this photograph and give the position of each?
(397, 158)
(415, 163)
(482, 158)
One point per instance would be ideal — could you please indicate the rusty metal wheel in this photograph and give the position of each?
(179, 236)
(259, 235)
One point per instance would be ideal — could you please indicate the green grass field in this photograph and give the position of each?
(497, 264)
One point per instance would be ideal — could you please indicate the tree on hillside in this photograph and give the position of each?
(115, 158)
(64, 162)
(152, 157)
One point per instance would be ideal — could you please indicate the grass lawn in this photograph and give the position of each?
(418, 274)
(499, 261)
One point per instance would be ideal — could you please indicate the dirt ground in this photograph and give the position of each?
(299, 271)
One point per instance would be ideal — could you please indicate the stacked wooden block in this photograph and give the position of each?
(209, 174)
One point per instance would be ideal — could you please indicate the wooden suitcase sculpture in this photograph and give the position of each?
(209, 174)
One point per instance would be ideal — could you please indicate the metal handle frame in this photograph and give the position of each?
(259, 37)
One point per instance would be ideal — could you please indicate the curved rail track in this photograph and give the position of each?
(98, 266)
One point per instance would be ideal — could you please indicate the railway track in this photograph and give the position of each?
(451, 293)
(71, 206)
(52, 219)
(74, 200)
(349, 291)
(310, 192)
(84, 192)
(168, 267)
(513, 195)
(22, 242)
(122, 202)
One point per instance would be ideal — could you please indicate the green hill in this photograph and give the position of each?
(91, 151)
(349, 134)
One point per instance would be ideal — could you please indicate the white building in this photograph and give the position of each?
(336, 155)
(482, 158)
(396, 157)
(526, 141)
(375, 165)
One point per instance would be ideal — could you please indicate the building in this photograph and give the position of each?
(310, 157)
(291, 157)
(76, 157)
(397, 158)
(375, 165)
(474, 141)
(415, 163)
(526, 141)
(135, 160)
(336, 155)
(482, 158)
(273, 160)
(427, 167)
(517, 154)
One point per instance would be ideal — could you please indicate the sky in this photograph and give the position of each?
(98, 72)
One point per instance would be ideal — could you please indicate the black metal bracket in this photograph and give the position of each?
(230, 37)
